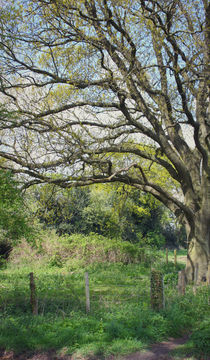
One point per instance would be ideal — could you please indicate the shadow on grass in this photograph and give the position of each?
(188, 352)
(80, 334)
(30, 333)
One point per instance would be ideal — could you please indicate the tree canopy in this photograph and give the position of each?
(112, 91)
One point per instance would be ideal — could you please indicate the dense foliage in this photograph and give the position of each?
(14, 219)
(114, 211)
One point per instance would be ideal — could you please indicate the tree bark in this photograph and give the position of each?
(199, 239)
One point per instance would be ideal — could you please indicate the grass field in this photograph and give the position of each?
(120, 320)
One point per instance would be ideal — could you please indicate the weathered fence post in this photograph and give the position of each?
(157, 290)
(167, 256)
(175, 257)
(181, 282)
(33, 300)
(87, 293)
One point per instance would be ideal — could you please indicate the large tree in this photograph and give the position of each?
(112, 90)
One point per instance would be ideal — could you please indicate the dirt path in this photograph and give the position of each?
(158, 351)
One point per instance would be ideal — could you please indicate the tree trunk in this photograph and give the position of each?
(199, 245)
(197, 256)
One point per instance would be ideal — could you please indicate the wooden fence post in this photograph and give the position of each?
(167, 256)
(175, 257)
(157, 290)
(33, 300)
(181, 282)
(87, 293)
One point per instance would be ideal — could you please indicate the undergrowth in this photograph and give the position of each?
(120, 320)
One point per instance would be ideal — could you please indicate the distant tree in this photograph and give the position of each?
(61, 209)
(93, 79)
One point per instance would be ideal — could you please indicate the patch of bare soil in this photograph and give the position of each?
(160, 351)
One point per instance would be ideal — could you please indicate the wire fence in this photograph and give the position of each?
(64, 293)
(60, 294)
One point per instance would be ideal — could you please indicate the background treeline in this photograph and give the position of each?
(114, 211)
